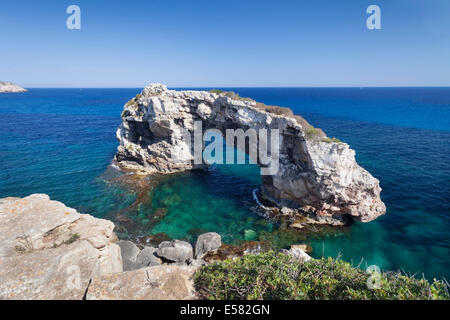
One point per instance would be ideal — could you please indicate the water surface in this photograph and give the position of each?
(61, 142)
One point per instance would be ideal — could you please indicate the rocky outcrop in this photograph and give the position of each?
(175, 251)
(318, 180)
(9, 87)
(50, 251)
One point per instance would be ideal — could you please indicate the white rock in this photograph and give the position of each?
(318, 178)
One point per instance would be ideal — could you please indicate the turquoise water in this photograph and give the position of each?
(61, 142)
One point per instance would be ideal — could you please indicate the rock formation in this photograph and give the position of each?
(9, 87)
(207, 242)
(318, 180)
(49, 251)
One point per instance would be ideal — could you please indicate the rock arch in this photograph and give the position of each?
(318, 180)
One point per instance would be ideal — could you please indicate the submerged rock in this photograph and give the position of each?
(207, 242)
(318, 178)
(197, 263)
(154, 239)
(250, 235)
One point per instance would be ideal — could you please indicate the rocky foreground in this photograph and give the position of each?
(50, 251)
(318, 180)
(9, 87)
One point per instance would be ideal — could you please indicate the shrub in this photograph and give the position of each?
(314, 133)
(73, 237)
(329, 140)
(281, 111)
(277, 276)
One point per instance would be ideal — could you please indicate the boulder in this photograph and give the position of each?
(308, 174)
(197, 263)
(165, 282)
(129, 253)
(175, 251)
(302, 246)
(207, 242)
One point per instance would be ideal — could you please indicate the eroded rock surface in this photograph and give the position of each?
(318, 178)
(50, 251)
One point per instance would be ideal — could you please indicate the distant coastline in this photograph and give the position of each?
(9, 87)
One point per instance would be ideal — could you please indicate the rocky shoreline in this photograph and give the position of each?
(9, 87)
(49, 251)
(318, 180)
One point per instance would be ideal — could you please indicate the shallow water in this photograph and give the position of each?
(61, 142)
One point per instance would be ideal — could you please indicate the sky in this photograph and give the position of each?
(245, 43)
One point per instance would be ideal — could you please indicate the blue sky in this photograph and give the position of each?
(225, 43)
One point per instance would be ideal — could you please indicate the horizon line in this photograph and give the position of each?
(249, 87)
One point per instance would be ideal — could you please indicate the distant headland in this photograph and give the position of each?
(9, 87)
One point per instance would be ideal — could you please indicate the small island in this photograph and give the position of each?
(9, 87)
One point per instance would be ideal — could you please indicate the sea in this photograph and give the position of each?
(62, 142)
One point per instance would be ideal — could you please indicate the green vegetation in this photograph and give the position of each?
(329, 140)
(281, 111)
(130, 103)
(216, 91)
(277, 276)
(73, 237)
(312, 132)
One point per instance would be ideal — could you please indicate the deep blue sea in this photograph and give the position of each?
(61, 142)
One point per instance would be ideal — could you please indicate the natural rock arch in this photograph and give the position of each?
(318, 180)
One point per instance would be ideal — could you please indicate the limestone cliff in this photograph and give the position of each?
(8, 87)
(318, 180)
(51, 252)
